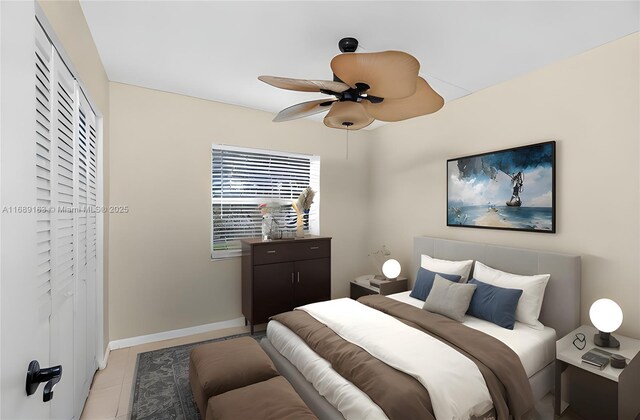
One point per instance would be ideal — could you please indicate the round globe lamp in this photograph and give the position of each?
(391, 269)
(606, 316)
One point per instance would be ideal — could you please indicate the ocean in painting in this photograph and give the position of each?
(536, 218)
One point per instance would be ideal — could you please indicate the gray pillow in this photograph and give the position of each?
(449, 299)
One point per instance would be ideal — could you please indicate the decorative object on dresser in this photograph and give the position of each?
(597, 392)
(370, 285)
(278, 276)
(511, 189)
(302, 206)
(270, 228)
(607, 317)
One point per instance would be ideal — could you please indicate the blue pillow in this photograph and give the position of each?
(424, 282)
(494, 304)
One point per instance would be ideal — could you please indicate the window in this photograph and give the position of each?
(242, 179)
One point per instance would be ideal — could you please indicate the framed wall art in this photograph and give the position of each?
(511, 189)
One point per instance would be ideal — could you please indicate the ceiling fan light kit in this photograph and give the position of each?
(381, 86)
(348, 115)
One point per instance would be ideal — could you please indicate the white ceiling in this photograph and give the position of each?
(216, 49)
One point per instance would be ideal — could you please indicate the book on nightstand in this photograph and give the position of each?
(376, 281)
(597, 358)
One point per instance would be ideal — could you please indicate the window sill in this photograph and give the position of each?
(225, 255)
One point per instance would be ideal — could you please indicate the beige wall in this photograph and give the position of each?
(589, 104)
(70, 27)
(161, 273)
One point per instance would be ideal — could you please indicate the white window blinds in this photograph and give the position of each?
(243, 179)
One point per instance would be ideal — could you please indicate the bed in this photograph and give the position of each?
(331, 396)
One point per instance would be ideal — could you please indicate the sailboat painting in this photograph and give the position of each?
(511, 189)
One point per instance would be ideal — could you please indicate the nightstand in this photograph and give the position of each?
(387, 287)
(609, 393)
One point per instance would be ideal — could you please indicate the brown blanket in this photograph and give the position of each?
(401, 396)
(500, 366)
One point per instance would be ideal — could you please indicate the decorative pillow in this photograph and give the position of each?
(459, 268)
(424, 282)
(449, 299)
(494, 304)
(532, 287)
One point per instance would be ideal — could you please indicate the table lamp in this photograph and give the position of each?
(606, 316)
(391, 269)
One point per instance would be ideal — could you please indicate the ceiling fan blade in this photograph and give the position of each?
(304, 109)
(390, 74)
(351, 115)
(424, 101)
(304, 85)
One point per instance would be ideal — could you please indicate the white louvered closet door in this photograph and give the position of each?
(65, 264)
(48, 242)
(85, 332)
(25, 170)
(92, 246)
(44, 104)
(66, 168)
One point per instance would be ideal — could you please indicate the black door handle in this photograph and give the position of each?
(35, 376)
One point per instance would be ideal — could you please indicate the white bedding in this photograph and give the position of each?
(536, 348)
(342, 394)
(446, 377)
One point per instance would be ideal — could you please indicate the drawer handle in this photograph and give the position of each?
(271, 252)
(314, 247)
(292, 277)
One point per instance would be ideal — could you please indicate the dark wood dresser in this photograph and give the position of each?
(280, 275)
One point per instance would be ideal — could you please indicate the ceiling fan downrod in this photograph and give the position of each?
(348, 45)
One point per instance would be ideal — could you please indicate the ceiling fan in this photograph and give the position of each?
(381, 86)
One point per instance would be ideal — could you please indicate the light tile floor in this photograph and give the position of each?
(110, 392)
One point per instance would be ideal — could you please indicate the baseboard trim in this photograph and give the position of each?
(168, 335)
(103, 364)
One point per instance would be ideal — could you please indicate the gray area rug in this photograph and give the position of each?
(161, 388)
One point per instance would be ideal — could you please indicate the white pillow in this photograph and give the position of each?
(532, 287)
(457, 268)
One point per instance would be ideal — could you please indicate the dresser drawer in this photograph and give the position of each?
(273, 253)
(308, 250)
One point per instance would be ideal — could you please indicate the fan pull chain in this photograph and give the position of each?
(346, 125)
(347, 143)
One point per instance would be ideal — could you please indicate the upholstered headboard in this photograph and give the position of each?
(561, 305)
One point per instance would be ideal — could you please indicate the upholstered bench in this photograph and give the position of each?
(273, 399)
(235, 379)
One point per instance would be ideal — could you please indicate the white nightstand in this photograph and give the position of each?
(620, 385)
